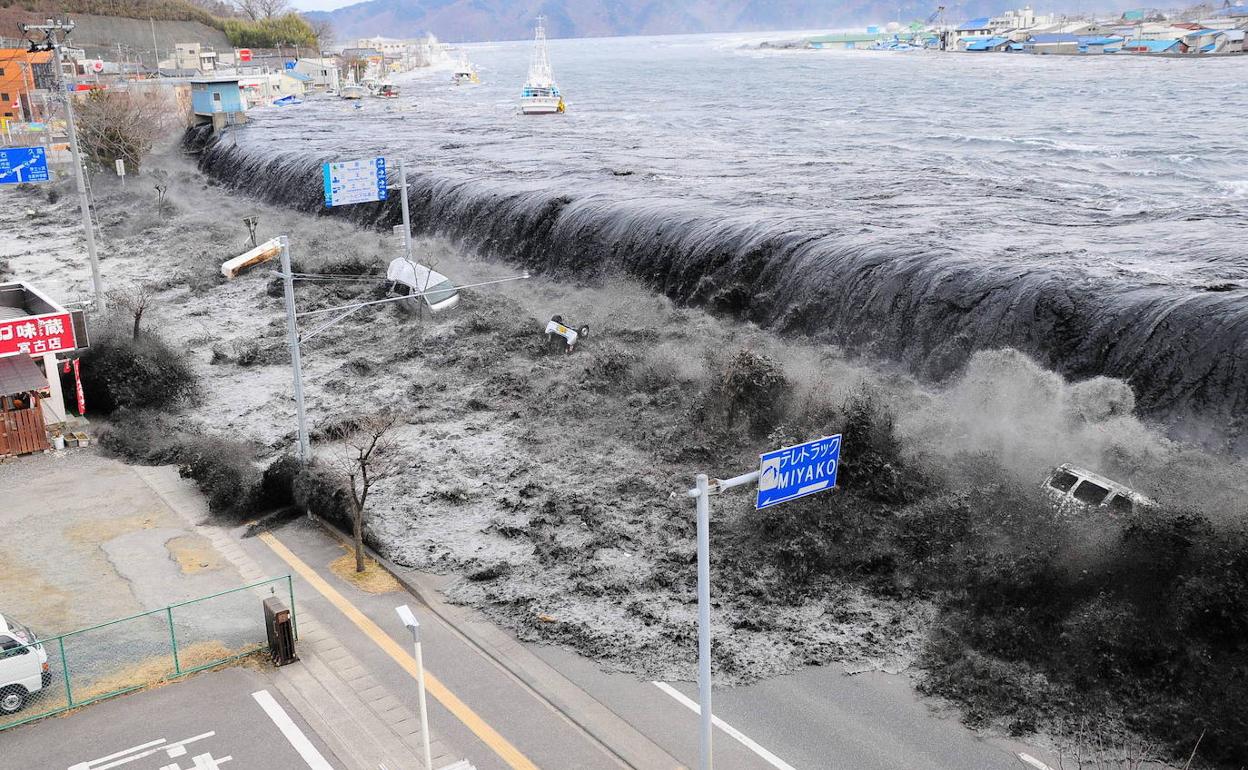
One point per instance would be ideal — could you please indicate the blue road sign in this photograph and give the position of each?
(796, 471)
(23, 164)
(354, 181)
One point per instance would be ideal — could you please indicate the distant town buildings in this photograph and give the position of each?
(1141, 31)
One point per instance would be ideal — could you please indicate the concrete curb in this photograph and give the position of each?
(606, 728)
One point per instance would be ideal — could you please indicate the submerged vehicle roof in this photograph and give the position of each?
(1109, 484)
(414, 274)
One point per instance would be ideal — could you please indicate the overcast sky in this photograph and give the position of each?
(321, 5)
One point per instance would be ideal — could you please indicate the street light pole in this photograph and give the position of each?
(292, 339)
(413, 625)
(704, 618)
(51, 29)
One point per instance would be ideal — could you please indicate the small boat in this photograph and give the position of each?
(286, 100)
(540, 95)
(387, 90)
(353, 91)
(465, 73)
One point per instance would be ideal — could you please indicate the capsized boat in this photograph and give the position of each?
(540, 95)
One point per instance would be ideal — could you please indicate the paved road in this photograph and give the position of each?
(816, 718)
(210, 721)
(540, 733)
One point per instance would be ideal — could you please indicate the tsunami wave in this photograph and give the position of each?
(1183, 349)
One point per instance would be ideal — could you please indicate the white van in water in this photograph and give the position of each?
(1069, 485)
(407, 277)
(23, 666)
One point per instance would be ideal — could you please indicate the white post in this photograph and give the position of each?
(292, 339)
(407, 221)
(409, 620)
(420, 686)
(704, 618)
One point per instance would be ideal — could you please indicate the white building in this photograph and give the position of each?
(389, 46)
(192, 56)
(324, 73)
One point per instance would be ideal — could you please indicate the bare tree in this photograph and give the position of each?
(135, 300)
(323, 31)
(262, 9)
(121, 125)
(371, 457)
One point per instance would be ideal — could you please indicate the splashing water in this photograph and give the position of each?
(917, 207)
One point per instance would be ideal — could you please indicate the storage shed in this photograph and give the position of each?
(217, 100)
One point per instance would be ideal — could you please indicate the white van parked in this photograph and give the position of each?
(407, 277)
(23, 666)
(1070, 485)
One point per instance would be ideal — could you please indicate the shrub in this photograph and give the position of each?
(223, 471)
(277, 483)
(143, 437)
(221, 468)
(119, 372)
(320, 489)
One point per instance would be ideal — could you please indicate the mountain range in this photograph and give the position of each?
(476, 20)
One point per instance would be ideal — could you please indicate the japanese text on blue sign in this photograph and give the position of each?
(354, 181)
(796, 471)
(23, 164)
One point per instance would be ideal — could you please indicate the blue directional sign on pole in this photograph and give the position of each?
(796, 471)
(354, 181)
(23, 164)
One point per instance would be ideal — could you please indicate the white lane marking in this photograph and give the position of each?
(292, 732)
(114, 755)
(1029, 759)
(741, 737)
(135, 753)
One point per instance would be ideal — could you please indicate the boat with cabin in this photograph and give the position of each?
(465, 73)
(540, 95)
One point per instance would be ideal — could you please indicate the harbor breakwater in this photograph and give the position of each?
(1183, 349)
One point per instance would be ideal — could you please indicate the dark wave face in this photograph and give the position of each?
(1090, 211)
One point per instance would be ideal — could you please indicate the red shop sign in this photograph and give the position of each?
(36, 335)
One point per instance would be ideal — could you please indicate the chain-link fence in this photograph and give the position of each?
(40, 677)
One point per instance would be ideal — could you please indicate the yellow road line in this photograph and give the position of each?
(488, 735)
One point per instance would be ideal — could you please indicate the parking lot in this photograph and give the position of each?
(233, 719)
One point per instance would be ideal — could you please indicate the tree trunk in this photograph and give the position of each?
(138, 319)
(357, 532)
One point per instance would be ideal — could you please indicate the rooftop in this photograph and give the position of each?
(981, 23)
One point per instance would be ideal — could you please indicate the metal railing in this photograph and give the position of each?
(42, 677)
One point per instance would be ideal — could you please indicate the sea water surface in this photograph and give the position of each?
(918, 206)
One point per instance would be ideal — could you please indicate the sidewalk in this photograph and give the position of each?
(334, 692)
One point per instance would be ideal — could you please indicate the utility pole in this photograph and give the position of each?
(292, 338)
(51, 30)
(155, 49)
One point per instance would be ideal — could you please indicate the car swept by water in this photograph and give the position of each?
(1072, 488)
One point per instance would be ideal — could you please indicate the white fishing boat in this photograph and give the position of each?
(540, 95)
(465, 73)
(353, 91)
(387, 90)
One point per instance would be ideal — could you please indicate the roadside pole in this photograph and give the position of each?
(84, 205)
(292, 339)
(413, 625)
(704, 617)
(407, 220)
(784, 474)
